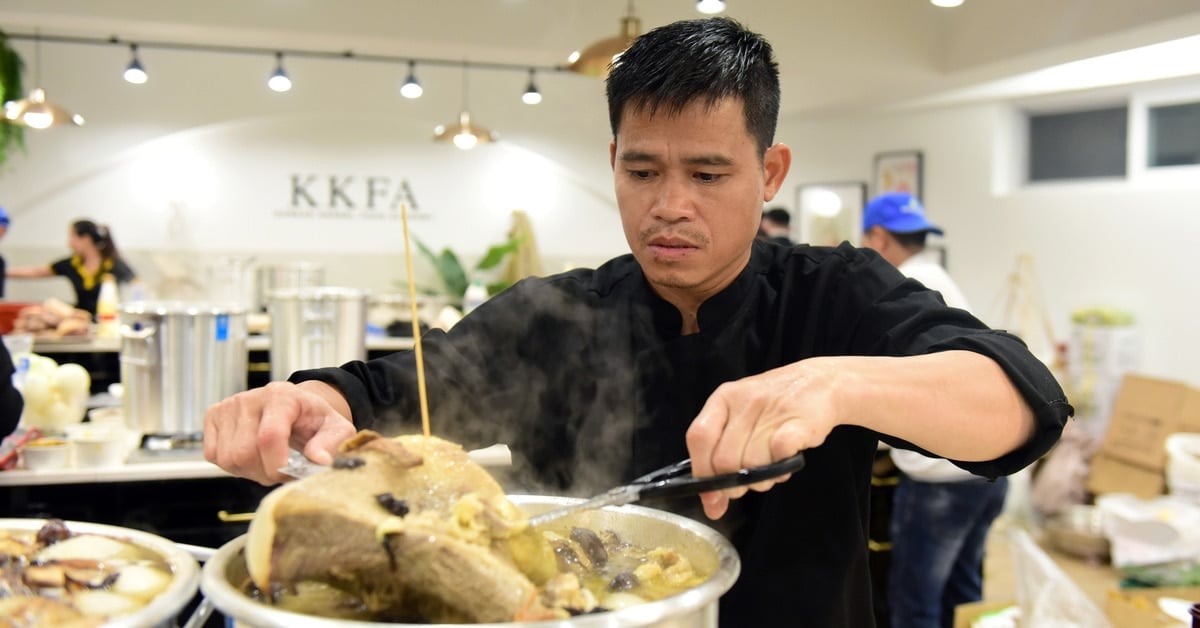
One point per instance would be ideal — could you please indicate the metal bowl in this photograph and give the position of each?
(1079, 531)
(696, 607)
(166, 606)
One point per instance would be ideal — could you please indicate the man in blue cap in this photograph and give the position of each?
(3, 230)
(941, 514)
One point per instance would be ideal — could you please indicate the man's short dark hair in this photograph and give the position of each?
(779, 216)
(913, 240)
(710, 59)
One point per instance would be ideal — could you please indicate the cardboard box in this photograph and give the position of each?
(1133, 454)
(966, 614)
(1138, 608)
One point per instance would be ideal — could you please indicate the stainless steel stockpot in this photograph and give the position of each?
(694, 608)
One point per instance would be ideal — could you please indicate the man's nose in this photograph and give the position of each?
(675, 200)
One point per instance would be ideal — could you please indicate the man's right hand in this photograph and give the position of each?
(249, 433)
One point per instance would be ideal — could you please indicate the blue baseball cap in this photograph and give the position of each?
(898, 212)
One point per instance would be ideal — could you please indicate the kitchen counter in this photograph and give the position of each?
(141, 467)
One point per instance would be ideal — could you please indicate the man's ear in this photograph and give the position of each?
(776, 163)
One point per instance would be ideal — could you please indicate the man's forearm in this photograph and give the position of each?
(956, 404)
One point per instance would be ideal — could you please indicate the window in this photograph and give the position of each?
(1078, 144)
(1173, 135)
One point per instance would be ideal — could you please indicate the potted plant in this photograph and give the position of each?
(11, 68)
(455, 278)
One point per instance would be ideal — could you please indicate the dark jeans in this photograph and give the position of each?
(939, 530)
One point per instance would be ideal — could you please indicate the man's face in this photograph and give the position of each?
(690, 189)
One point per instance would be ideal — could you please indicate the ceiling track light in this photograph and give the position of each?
(531, 96)
(464, 133)
(946, 4)
(134, 72)
(279, 80)
(710, 7)
(411, 87)
(596, 58)
(36, 111)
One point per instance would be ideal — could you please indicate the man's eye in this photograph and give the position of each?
(640, 174)
(708, 177)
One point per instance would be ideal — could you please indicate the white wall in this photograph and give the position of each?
(1127, 244)
(198, 163)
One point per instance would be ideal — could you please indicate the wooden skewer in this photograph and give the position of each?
(416, 323)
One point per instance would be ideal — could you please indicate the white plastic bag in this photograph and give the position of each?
(1047, 596)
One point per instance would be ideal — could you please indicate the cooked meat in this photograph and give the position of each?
(411, 526)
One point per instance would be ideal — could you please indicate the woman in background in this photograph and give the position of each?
(93, 255)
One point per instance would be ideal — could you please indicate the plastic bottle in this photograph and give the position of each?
(106, 308)
(475, 296)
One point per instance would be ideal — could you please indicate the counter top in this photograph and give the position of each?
(253, 343)
(187, 466)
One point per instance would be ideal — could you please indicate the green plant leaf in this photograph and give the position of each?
(449, 269)
(453, 274)
(11, 68)
(497, 253)
(496, 287)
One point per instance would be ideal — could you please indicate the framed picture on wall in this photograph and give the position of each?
(831, 213)
(898, 171)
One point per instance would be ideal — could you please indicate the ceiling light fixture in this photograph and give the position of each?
(710, 7)
(135, 73)
(35, 111)
(279, 80)
(946, 4)
(531, 96)
(463, 133)
(411, 88)
(596, 58)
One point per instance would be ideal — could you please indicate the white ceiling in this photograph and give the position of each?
(833, 54)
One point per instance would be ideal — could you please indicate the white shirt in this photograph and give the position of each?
(914, 464)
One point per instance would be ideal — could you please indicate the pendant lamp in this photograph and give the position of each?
(596, 58)
(36, 111)
(464, 133)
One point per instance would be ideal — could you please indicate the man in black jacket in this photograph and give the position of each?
(11, 402)
(704, 343)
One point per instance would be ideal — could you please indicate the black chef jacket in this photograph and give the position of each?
(587, 377)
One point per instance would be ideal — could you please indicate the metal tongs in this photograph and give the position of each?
(674, 481)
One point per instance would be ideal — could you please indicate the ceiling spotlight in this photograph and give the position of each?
(595, 59)
(531, 96)
(711, 7)
(135, 73)
(947, 4)
(411, 88)
(279, 80)
(35, 111)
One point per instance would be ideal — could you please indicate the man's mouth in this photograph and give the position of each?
(671, 248)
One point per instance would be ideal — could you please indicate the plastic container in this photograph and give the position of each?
(107, 308)
(475, 296)
(102, 449)
(1183, 466)
(45, 454)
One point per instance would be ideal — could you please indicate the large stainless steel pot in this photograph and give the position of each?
(694, 608)
(166, 606)
(316, 327)
(271, 277)
(177, 359)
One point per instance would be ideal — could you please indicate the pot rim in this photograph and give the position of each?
(229, 600)
(166, 606)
